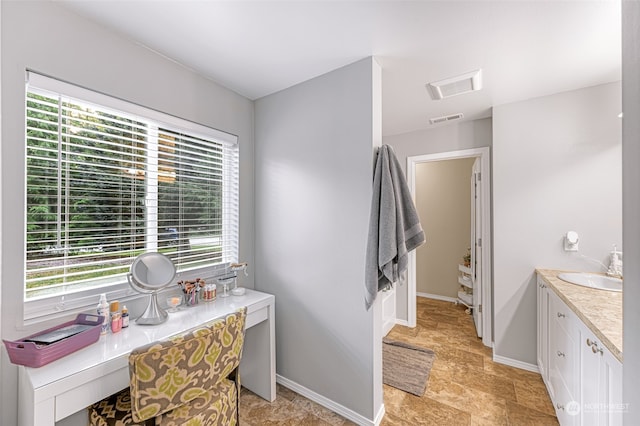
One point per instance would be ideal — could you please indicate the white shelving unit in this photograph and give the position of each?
(465, 294)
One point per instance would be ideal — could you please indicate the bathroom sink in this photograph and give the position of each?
(585, 279)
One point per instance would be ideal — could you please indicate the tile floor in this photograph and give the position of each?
(465, 386)
(289, 409)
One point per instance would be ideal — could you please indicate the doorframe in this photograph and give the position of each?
(485, 190)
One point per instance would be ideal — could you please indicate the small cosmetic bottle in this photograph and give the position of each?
(116, 318)
(103, 310)
(125, 316)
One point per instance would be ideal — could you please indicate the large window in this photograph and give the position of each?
(105, 185)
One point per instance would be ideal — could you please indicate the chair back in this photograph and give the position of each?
(169, 373)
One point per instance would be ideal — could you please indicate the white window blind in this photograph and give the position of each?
(105, 184)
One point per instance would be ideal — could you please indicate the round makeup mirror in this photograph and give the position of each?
(150, 273)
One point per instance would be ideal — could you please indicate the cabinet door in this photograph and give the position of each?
(589, 379)
(611, 390)
(601, 375)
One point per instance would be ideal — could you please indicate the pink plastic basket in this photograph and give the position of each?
(31, 354)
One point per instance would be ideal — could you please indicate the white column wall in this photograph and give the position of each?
(314, 171)
(631, 209)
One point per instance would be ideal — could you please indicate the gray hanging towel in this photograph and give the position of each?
(394, 226)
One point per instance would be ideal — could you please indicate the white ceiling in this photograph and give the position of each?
(525, 48)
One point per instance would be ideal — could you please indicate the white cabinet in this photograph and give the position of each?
(583, 378)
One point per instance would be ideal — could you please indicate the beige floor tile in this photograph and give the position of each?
(425, 324)
(278, 410)
(393, 398)
(476, 346)
(285, 393)
(404, 331)
(453, 354)
(426, 411)
(509, 372)
(495, 421)
(465, 387)
(475, 378)
(392, 420)
(465, 399)
(519, 415)
(302, 403)
(531, 396)
(534, 384)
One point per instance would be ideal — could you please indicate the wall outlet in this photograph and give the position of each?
(571, 241)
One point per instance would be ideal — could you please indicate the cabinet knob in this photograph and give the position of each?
(595, 349)
(560, 353)
(560, 407)
(561, 315)
(590, 342)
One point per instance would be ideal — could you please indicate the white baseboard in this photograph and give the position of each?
(437, 297)
(402, 322)
(515, 363)
(379, 416)
(331, 405)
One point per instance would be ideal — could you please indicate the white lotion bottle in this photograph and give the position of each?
(103, 309)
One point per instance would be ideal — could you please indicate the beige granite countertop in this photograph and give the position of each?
(600, 310)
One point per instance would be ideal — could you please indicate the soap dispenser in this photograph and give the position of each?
(615, 264)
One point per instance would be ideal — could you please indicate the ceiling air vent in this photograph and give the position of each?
(458, 85)
(445, 118)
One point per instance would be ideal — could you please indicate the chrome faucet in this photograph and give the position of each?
(615, 263)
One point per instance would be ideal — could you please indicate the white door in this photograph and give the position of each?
(476, 245)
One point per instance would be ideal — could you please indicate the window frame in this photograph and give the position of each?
(62, 305)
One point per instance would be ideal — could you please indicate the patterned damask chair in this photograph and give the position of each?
(188, 380)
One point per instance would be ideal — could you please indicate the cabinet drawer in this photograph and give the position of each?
(563, 356)
(560, 312)
(257, 317)
(567, 409)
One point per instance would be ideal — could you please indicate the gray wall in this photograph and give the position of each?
(45, 37)
(443, 201)
(454, 137)
(631, 203)
(556, 168)
(314, 152)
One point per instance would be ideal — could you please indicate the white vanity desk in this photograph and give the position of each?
(70, 384)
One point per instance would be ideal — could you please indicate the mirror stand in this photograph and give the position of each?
(154, 314)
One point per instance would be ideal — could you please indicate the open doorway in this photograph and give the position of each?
(468, 227)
